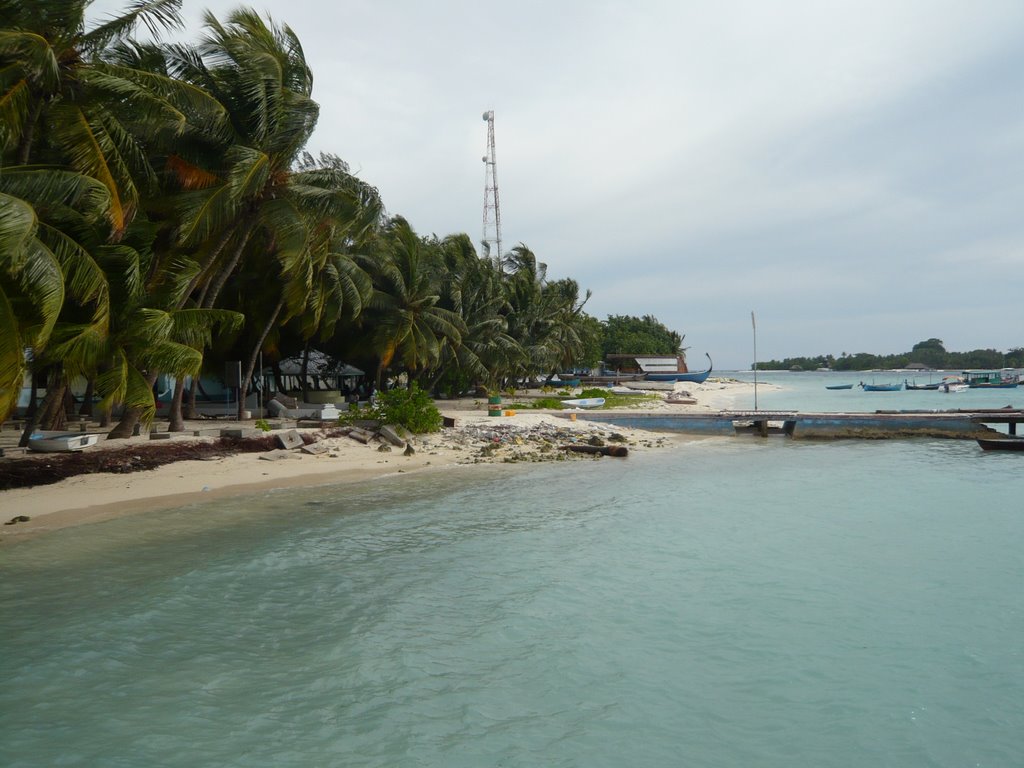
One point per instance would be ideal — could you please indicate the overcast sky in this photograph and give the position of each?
(853, 172)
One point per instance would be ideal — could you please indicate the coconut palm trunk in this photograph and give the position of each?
(250, 368)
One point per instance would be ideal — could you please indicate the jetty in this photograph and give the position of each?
(962, 424)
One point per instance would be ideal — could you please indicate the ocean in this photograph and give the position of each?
(726, 602)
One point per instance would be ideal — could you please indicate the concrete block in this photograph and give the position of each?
(288, 440)
(390, 433)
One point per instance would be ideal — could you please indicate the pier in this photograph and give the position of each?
(959, 424)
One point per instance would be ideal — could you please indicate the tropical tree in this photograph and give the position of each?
(61, 102)
(40, 261)
(472, 287)
(242, 185)
(409, 324)
(545, 318)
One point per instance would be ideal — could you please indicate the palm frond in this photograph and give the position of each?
(156, 15)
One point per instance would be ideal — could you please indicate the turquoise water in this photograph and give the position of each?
(728, 602)
(806, 391)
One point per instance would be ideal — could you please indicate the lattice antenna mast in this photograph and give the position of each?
(492, 211)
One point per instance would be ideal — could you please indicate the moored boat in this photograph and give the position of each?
(952, 384)
(881, 387)
(60, 442)
(1001, 443)
(990, 379)
(839, 386)
(915, 385)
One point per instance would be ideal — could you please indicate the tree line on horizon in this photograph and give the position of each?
(930, 353)
(159, 214)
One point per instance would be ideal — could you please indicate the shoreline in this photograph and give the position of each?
(477, 439)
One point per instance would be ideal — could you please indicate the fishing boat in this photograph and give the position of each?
(696, 378)
(609, 377)
(915, 385)
(1001, 443)
(839, 386)
(881, 387)
(584, 402)
(990, 379)
(60, 442)
(953, 387)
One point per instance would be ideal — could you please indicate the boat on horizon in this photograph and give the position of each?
(839, 386)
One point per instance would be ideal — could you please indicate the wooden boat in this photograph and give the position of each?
(697, 378)
(60, 442)
(1001, 443)
(610, 378)
(839, 386)
(915, 385)
(881, 387)
(990, 379)
(584, 402)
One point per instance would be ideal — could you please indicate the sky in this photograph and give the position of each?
(851, 172)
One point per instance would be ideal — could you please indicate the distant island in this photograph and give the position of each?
(930, 354)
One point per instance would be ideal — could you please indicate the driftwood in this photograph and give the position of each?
(603, 450)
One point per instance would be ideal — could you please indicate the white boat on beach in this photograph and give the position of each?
(59, 442)
(584, 402)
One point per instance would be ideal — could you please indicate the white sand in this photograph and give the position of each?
(94, 497)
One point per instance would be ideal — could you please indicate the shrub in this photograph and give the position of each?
(410, 408)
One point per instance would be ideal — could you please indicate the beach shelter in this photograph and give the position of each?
(322, 372)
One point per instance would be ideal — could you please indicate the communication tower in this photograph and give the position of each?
(492, 212)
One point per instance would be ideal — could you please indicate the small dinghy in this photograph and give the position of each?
(584, 402)
(1001, 443)
(58, 442)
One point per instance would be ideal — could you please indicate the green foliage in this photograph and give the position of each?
(625, 334)
(262, 424)
(931, 353)
(410, 408)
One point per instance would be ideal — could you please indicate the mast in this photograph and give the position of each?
(492, 212)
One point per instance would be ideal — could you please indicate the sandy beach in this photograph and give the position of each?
(476, 439)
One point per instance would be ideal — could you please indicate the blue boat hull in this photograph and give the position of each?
(696, 378)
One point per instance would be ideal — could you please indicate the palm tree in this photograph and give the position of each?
(472, 288)
(36, 253)
(408, 322)
(258, 73)
(66, 99)
(61, 102)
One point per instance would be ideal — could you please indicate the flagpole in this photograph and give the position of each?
(753, 324)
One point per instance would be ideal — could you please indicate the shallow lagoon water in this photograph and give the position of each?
(732, 601)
